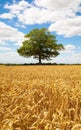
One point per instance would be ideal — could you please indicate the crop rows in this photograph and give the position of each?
(40, 97)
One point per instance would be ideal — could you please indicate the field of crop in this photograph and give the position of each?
(40, 97)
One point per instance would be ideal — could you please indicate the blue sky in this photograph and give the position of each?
(62, 18)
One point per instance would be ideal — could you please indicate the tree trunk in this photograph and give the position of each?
(40, 59)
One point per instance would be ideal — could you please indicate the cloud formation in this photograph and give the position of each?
(13, 57)
(61, 14)
(10, 34)
(2, 48)
(69, 49)
(57, 4)
(67, 27)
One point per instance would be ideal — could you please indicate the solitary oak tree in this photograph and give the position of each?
(40, 44)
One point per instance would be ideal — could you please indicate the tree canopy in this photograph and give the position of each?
(40, 44)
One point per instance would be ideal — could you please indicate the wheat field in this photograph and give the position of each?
(40, 97)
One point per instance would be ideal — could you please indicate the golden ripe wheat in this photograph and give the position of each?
(40, 97)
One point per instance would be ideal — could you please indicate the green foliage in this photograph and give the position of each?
(40, 44)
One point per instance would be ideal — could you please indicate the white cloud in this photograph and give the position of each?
(34, 15)
(2, 48)
(10, 34)
(67, 27)
(2, 42)
(7, 15)
(71, 59)
(76, 58)
(26, 13)
(18, 6)
(15, 9)
(64, 20)
(61, 14)
(57, 4)
(13, 57)
(69, 49)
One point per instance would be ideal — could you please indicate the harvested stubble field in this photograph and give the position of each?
(40, 97)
